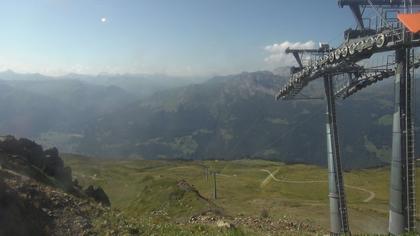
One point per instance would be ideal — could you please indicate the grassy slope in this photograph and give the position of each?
(240, 189)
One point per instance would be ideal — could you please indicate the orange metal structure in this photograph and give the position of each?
(411, 21)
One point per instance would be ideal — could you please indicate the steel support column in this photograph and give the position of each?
(402, 191)
(338, 207)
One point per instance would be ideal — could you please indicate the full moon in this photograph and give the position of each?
(103, 20)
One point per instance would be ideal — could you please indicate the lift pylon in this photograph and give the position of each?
(402, 181)
(389, 33)
(338, 207)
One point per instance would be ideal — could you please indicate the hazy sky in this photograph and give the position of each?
(176, 37)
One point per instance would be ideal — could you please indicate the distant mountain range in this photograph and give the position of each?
(237, 117)
(226, 117)
(55, 110)
(138, 85)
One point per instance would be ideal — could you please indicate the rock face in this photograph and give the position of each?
(49, 160)
(53, 163)
(38, 196)
(30, 207)
(98, 194)
(54, 166)
(23, 147)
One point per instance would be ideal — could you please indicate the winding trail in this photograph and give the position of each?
(371, 193)
(272, 177)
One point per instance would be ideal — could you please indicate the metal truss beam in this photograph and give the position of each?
(366, 79)
(347, 54)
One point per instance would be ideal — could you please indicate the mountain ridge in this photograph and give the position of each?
(236, 116)
(227, 117)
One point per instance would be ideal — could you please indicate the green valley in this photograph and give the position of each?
(247, 190)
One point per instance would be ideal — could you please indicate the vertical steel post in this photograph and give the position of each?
(402, 193)
(214, 185)
(338, 207)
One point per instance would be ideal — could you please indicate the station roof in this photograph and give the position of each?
(411, 21)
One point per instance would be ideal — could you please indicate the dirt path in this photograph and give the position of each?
(228, 176)
(371, 193)
(194, 167)
(272, 177)
(182, 167)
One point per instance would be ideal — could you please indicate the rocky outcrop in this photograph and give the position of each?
(39, 197)
(48, 161)
(30, 207)
(23, 147)
(98, 194)
(53, 163)
(54, 166)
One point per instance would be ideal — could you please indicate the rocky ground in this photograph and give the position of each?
(263, 224)
(39, 197)
(28, 207)
(267, 225)
(51, 211)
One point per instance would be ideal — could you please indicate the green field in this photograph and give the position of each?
(245, 188)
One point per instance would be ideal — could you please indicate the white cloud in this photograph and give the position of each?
(278, 57)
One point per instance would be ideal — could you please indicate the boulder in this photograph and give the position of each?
(98, 194)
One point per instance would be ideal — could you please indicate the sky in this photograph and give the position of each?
(173, 37)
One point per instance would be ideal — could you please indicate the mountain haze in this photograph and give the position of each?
(56, 110)
(226, 117)
(236, 116)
